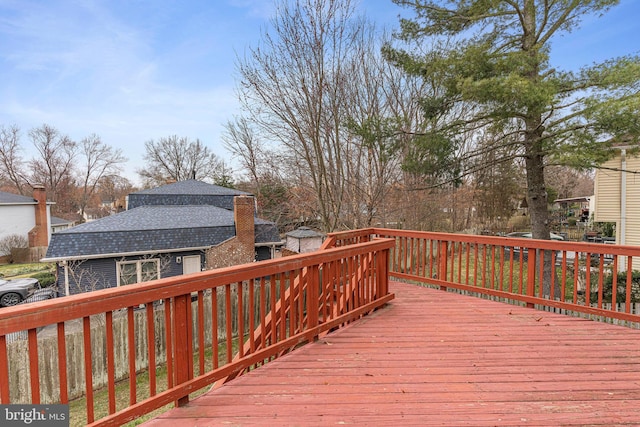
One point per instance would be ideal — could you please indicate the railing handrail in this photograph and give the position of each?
(560, 245)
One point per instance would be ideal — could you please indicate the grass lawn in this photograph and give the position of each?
(11, 271)
(77, 407)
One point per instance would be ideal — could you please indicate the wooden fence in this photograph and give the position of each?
(18, 351)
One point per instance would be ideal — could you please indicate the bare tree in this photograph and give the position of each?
(298, 89)
(85, 279)
(11, 163)
(265, 170)
(98, 161)
(178, 159)
(243, 144)
(114, 188)
(54, 166)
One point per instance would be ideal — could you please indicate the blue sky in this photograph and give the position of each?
(134, 70)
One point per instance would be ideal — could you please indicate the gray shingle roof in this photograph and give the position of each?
(190, 192)
(158, 218)
(304, 233)
(14, 199)
(60, 221)
(152, 229)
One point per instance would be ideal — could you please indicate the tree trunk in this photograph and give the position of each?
(538, 209)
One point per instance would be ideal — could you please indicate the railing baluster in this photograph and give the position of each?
(483, 282)
(511, 270)
(252, 321)
(563, 286)
(460, 246)
(111, 370)
(282, 318)
(263, 311)
(600, 281)
(501, 285)
(576, 274)
(614, 284)
(200, 326)
(468, 263)
(151, 348)
(240, 295)
(62, 363)
(587, 269)
(88, 371)
(492, 281)
(4, 371)
(531, 274)
(301, 280)
(541, 277)
(475, 264)
(442, 257)
(521, 288)
(132, 356)
(274, 317)
(34, 373)
(214, 327)
(228, 322)
(627, 305)
(169, 334)
(431, 252)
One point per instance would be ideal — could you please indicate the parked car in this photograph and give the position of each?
(527, 235)
(15, 291)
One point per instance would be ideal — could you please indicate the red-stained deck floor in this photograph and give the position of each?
(439, 358)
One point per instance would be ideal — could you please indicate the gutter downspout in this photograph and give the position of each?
(623, 205)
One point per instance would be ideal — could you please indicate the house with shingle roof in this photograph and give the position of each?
(178, 228)
(27, 217)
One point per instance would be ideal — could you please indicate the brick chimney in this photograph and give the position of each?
(39, 235)
(243, 210)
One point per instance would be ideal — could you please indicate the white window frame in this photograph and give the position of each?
(138, 263)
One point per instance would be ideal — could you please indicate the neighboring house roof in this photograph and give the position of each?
(16, 199)
(152, 229)
(582, 199)
(189, 192)
(304, 233)
(55, 221)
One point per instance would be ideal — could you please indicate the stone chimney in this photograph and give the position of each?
(39, 235)
(243, 210)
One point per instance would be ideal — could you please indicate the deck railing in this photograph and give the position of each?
(591, 278)
(274, 305)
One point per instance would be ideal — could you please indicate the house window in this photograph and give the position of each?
(143, 270)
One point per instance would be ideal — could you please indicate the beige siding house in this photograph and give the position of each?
(617, 195)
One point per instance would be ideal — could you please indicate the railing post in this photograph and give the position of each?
(442, 263)
(183, 354)
(383, 273)
(313, 292)
(531, 273)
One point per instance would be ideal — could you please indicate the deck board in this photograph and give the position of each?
(438, 358)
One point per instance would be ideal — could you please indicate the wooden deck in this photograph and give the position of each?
(437, 358)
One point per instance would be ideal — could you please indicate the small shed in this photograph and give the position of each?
(303, 239)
